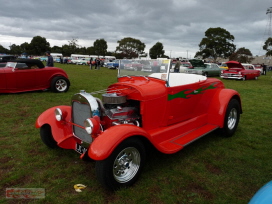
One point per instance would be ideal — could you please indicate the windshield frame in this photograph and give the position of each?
(146, 68)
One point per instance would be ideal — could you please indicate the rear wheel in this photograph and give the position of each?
(232, 118)
(47, 137)
(123, 166)
(60, 84)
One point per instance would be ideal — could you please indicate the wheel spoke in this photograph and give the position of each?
(126, 165)
(232, 118)
(61, 85)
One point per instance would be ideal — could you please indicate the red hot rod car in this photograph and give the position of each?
(167, 110)
(23, 75)
(237, 71)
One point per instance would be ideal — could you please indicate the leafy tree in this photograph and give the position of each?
(56, 49)
(73, 46)
(66, 50)
(100, 47)
(156, 51)
(217, 43)
(90, 50)
(242, 55)
(268, 46)
(3, 50)
(130, 48)
(38, 46)
(25, 48)
(82, 50)
(15, 49)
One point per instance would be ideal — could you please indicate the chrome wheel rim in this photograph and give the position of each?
(61, 85)
(126, 165)
(232, 118)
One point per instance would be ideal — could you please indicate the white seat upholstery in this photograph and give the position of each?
(178, 79)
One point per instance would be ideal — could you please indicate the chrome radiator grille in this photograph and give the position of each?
(80, 113)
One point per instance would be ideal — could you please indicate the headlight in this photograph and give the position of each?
(88, 124)
(58, 114)
(92, 125)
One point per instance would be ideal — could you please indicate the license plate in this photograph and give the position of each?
(80, 149)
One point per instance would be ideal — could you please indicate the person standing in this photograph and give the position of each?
(91, 65)
(97, 63)
(264, 68)
(50, 61)
(177, 66)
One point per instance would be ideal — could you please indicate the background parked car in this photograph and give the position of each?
(83, 61)
(30, 75)
(224, 65)
(205, 69)
(5, 58)
(151, 65)
(237, 71)
(134, 65)
(112, 65)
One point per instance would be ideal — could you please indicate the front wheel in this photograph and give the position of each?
(232, 118)
(123, 166)
(60, 84)
(47, 137)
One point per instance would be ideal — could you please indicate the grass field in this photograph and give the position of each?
(213, 169)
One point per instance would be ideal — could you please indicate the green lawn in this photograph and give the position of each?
(213, 169)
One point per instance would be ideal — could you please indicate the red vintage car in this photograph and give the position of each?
(237, 71)
(23, 75)
(164, 109)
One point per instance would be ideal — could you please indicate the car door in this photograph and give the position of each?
(3, 81)
(215, 70)
(182, 101)
(25, 77)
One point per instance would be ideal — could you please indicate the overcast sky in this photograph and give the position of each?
(179, 25)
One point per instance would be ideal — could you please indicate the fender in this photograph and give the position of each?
(219, 104)
(104, 144)
(62, 131)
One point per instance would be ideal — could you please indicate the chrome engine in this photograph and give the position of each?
(118, 110)
(114, 109)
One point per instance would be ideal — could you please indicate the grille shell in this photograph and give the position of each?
(84, 106)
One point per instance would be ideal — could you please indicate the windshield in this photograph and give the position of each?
(11, 64)
(139, 67)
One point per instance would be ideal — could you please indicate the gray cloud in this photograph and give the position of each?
(178, 25)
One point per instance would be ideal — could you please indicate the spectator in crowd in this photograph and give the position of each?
(91, 64)
(50, 61)
(264, 68)
(97, 63)
(177, 66)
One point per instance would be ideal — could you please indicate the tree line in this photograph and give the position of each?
(217, 43)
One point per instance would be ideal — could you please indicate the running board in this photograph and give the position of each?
(175, 144)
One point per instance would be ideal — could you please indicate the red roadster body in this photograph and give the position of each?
(30, 75)
(237, 71)
(167, 110)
